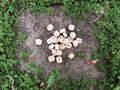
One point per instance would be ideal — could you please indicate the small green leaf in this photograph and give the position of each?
(22, 61)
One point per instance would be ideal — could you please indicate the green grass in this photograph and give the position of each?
(24, 54)
(106, 30)
(83, 84)
(35, 69)
(52, 78)
(81, 54)
(22, 37)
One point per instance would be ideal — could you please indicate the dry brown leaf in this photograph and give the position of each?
(32, 58)
(88, 62)
(42, 84)
(94, 61)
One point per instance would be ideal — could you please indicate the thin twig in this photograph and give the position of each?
(12, 83)
(94, 20)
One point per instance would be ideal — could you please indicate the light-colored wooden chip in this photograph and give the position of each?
(58, 53)
(49, 41)
(54, 52)
(65, 35)
(51, 58)
(71, 27)
(56, 33)
(38, 41)
(60, 38)
(50, 27)
(54, 39)
(73, 35)
(71, 56)
(70, 39)
(75, 43)
(69, 45)
(63, 30)
(56, 46)
(66, 41)
(59, 59)
(79, 40)
(62, 47)
(51, 46)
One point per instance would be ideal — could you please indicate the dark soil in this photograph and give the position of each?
(35, 27)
